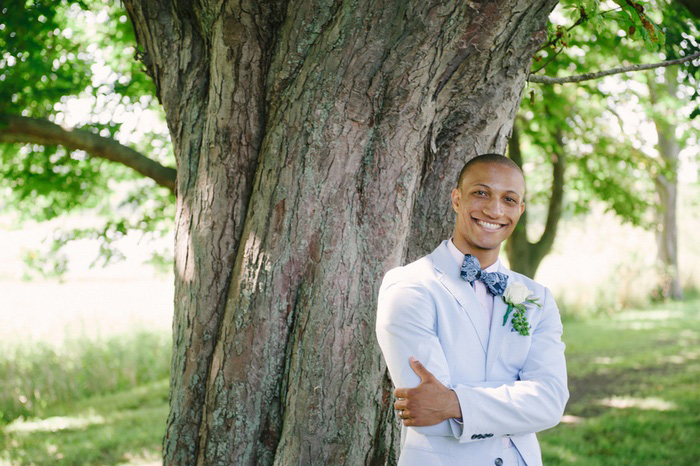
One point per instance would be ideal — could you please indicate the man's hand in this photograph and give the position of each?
(427, 404)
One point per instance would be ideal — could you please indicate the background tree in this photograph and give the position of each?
(667, 184)
(666, 111)
(579, 123)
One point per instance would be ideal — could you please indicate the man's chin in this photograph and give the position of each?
(488, 246)
(491, 240)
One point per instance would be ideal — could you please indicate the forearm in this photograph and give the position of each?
(514, 408)
(534, 402)
(405, 328)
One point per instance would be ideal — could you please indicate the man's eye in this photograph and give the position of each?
(480, 193)
(510, 199)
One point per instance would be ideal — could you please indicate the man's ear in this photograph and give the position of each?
(456, 199)
(522, 207)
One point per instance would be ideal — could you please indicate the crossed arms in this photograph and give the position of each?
(532, 400)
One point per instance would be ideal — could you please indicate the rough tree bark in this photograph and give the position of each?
(667, 186)
(316, 144)
(524, 256)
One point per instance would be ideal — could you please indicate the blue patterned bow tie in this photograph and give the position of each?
(471, 270)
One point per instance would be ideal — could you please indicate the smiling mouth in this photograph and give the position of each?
(488, 225)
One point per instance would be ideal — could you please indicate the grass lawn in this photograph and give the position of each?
(633, 378)
(121, 428)
(89, 401)
(635, 397)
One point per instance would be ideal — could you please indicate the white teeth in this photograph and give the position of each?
(489, 226)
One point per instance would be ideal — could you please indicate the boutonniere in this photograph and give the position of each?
(516, 296)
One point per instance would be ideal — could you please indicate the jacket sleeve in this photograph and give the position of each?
(532, 403)
(406, 326)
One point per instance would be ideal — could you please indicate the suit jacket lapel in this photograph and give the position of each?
(498, 330)
(448, 274)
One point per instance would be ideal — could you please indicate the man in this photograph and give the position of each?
(485, 375)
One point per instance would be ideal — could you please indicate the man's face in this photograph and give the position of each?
(488, 202)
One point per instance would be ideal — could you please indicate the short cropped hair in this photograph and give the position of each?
(487, 158)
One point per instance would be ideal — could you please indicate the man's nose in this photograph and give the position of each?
(493, 208)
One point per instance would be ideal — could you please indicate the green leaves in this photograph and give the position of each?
(608, 159)
(73, 62)
(39, 62)
(34, 173)
(576, 20)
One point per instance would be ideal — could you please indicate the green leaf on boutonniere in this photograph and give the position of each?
(534, 301)
(508, 311)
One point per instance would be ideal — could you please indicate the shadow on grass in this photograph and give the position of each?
(634, 392)
(122, 428)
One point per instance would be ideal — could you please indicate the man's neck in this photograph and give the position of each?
(487, 257)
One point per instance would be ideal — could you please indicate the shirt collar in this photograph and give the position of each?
(458, 256)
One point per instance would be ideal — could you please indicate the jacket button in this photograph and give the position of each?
(498, 462)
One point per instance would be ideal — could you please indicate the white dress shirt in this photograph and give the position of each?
(482, 293)
(486, 300)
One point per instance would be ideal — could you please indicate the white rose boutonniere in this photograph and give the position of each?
(516, 296)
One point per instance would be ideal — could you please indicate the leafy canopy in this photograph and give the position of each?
(589, 123)
(73, 63)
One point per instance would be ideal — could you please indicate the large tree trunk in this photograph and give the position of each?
(316, 143)
(667, 184)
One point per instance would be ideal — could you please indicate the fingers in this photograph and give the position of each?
(406, 417)
(424, 374)
(400, 404)
(403, 395)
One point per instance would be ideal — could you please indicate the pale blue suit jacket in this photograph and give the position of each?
(509, 386)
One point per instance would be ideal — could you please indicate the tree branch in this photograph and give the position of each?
(19, 129)
(556, 200)
(523, 255)
(517, 156)
(600, 74)
(549, 60)
(518, 248)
